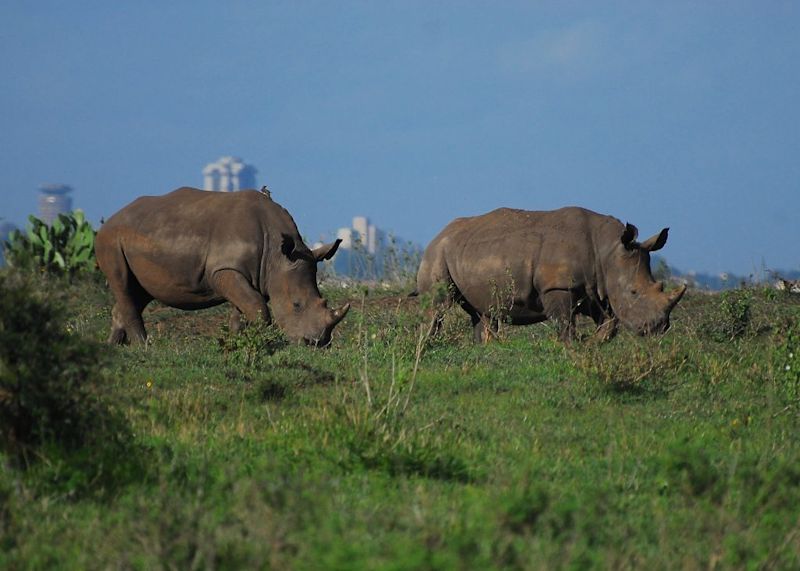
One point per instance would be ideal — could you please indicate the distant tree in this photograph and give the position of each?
(662, 271)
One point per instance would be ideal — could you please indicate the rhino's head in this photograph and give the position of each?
(638, 301)
(295, 301)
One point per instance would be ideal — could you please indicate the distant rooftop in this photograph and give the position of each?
(229, 174)
(55, 188)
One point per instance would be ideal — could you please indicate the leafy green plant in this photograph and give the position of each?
(65, 247)
(252, 344)
(732, 318)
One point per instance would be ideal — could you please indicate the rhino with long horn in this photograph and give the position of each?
(193, 249)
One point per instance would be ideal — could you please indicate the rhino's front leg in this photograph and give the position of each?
(234, 287)
(606, 329)
(558, 306)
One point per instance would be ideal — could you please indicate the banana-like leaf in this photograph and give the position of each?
(67, 245)
(81, 257)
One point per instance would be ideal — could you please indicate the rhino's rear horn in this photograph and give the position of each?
(675, 297)
(338, 314)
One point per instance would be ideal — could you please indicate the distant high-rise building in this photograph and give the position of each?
(370, 238)
(229, 174)
(360, 249)
(53, 200)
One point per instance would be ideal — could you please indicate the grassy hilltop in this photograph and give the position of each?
(391, 451)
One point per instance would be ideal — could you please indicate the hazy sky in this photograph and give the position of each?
(674, 114)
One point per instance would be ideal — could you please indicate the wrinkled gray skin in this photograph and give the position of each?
(193, 249)
(528, 266)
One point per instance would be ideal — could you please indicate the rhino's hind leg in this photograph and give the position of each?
(234, 287)
(558, 306)
(434, 281)
(127, 324)
(484, 328)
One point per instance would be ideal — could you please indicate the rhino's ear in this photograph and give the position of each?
(326, 251)
(288, 247)
(629, 235)
(655, 242)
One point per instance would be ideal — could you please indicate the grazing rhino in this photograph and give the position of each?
(193, 249)
(527, 266)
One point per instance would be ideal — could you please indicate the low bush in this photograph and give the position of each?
(53, 404)
(732, 318)
(252, 344)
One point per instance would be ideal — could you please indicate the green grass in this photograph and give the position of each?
(387, 452)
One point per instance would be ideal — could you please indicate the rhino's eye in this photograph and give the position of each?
(296, 305)
(634, 292)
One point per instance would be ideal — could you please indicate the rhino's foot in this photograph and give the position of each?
(605, 331)
(485, 329)
(235, 321)
(127, 325)
(117, 337)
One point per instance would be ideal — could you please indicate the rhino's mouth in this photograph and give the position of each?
(318, 342)
(656, 328)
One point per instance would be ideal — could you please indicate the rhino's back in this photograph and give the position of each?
(508, 232)
(193, 211)
(528, 251)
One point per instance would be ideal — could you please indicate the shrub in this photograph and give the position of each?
(51, 393)
(731, 320)
(65, 247)
(253, 343)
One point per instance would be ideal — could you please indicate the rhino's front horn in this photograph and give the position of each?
(675, 297)
(338, 314)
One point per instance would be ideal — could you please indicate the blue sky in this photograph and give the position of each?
(413, 113)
